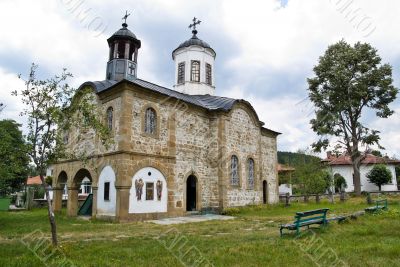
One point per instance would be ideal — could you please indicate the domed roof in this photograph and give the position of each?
(124, 33)
(194, 41)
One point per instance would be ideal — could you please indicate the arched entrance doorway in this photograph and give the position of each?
(80, 194)
(191, 193)
(265, 190)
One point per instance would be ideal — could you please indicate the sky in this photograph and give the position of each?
(266, 49)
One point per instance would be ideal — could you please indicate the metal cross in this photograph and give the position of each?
(126, 16)
(195, 23)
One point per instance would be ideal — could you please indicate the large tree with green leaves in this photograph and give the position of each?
(52, 108)
(348, 81)
(14, 160)
(379, 175)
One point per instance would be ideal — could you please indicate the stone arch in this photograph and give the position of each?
(192, 192)
(149, 163)
(149, 192)
(106, 192)
(73, 190)
(248, 108)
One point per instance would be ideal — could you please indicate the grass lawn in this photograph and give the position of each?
(252, 239)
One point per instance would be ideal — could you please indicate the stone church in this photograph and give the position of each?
(175, 151)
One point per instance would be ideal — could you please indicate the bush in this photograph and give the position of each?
(379, 175)
(231, 211)
(340, 182)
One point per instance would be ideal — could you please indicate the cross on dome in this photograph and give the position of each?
(125, 18)
(195, 23)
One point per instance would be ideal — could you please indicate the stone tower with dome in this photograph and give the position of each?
(175, 151)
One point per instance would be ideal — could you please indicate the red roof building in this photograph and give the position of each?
(35, 180)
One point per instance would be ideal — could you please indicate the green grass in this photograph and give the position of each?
(252, 239)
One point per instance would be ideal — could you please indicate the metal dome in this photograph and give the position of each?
(194, 41)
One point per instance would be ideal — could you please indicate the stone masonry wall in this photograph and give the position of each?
(243, 137)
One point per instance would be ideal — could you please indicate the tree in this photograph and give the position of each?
(348, 81)
(14, 160)
(52, 107)
(340, 182)
(311, 178)
(377, 153)
(379, 175)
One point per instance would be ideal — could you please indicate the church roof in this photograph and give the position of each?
(124, 32)
(194, 41)
(209, 102)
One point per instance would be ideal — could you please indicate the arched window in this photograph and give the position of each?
(234, 170)
(110, 118)
(250, 169)
(150, 121)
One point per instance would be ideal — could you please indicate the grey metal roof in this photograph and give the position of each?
(124, 32)
(194, 41)
(205, 101)
(208, 102)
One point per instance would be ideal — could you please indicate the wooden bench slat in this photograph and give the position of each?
(306, 218)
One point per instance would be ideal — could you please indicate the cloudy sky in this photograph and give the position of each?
(265, 48)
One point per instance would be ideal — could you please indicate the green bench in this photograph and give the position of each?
(379, 205)
(306, 218)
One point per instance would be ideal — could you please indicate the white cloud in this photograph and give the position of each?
(267, 39)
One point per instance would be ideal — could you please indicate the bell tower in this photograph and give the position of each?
(194, 65)
(123, 54)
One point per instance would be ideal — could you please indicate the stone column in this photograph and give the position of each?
(94, 203)
(72, 204)
(122, 205)
(222, 161)
(57, 199)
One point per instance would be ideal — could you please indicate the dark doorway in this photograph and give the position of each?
(191, 192)
(265, 192)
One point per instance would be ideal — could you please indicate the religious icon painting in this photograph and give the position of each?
(139, 189)
(159, 190)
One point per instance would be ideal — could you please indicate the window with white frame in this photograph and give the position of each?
(181, 72)
(195, 72)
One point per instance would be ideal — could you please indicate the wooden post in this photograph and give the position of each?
(287, 200)
(342, 196)
(369, 199)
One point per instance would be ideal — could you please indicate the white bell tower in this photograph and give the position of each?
(194, 65)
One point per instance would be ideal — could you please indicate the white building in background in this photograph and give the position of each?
(343, 165)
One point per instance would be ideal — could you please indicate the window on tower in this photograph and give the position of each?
(208, 74)
(181, 72)
(195, 73)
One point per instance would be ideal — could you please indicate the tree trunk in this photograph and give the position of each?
(50, 213)
(380, 188)
(357, 176)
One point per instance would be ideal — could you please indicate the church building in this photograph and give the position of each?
(175, 151)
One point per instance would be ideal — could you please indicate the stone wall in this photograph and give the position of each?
(242, 140)
(189, 141)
